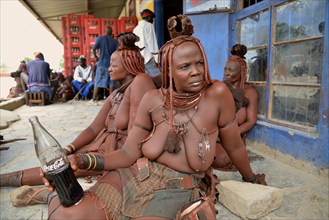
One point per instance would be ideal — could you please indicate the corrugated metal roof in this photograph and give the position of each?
(50, 12)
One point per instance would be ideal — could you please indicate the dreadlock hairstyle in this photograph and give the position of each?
(180, 29)
(132, 59)
(238, 51)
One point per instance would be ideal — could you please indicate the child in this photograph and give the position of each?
(65, 92)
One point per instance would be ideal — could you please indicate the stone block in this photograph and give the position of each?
(7, 117)
(12, 103)
(247, 200)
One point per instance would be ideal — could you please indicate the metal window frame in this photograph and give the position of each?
(271, 5)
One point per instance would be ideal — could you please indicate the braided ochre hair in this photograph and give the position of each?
(180, 29)
(238, 51)
(132, 59)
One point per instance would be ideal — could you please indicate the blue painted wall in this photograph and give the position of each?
(212, 30)
(310, 147)
(217, 34)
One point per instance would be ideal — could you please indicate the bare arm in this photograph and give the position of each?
(96, 126)
(251, 119)
(229, 133)
(130, 151)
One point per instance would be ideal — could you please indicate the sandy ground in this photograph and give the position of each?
(305, 196)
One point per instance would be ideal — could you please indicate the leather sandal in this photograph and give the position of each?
(27, 195)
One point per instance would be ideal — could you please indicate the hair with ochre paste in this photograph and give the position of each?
(132, 59)
(238, 51)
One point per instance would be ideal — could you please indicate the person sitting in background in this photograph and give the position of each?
(82, 79)
(109, 129)
(245, 97)
(65, 92)
(56, 79)
(169, 149)
(39, 75)
(23, 74)
(19, 88)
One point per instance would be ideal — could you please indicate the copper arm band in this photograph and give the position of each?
(229, 123)
(142, 127)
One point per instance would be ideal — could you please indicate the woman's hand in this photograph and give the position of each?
(46, 181)
(257, 178)
(260, 179)
(76, 163)
(66, 152)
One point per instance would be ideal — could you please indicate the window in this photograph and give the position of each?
(294, 79)
(254, 33)
(247, 3)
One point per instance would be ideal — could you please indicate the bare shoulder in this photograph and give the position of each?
(250, 92)
(154, 94)
(218, 89)
(143, 82)
(152, 98)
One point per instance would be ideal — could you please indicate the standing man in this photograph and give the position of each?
(106, 45)
(145, 31)
(82, 78)
(39, 75)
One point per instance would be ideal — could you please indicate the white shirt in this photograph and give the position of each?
(81, 73)
(145, 31)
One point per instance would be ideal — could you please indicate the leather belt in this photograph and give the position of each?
(143, 168)
(186, 182)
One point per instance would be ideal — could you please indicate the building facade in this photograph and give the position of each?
(287, 60)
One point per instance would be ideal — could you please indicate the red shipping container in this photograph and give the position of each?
(127, 24)
(113, 23)
(75, 30)
(74, 40)
(73, 19)
(86, 16)
(92, 26)
(75, 51)
(64, 33)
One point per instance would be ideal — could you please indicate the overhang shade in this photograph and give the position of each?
(50, 12)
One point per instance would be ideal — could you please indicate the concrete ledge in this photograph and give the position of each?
(247, 200)
(7, 117)
(12, 103)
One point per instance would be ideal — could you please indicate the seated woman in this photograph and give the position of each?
(235, 75)
(108, 131)
(170, 147)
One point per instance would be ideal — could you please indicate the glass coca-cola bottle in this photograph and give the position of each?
(55, 165)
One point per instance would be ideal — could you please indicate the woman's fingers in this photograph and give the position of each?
(46, 181)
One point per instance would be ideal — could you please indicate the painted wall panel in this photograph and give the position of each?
(212, 30)
(301, 146)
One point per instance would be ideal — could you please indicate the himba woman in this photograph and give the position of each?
(171, 145)
(108, 131)
(235, 76)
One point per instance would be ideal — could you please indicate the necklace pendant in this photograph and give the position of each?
(181, 129)
(207, 145)
(201, 153)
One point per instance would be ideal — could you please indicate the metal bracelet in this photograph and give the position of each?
(252, 180)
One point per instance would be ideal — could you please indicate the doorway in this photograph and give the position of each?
(165, 9)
